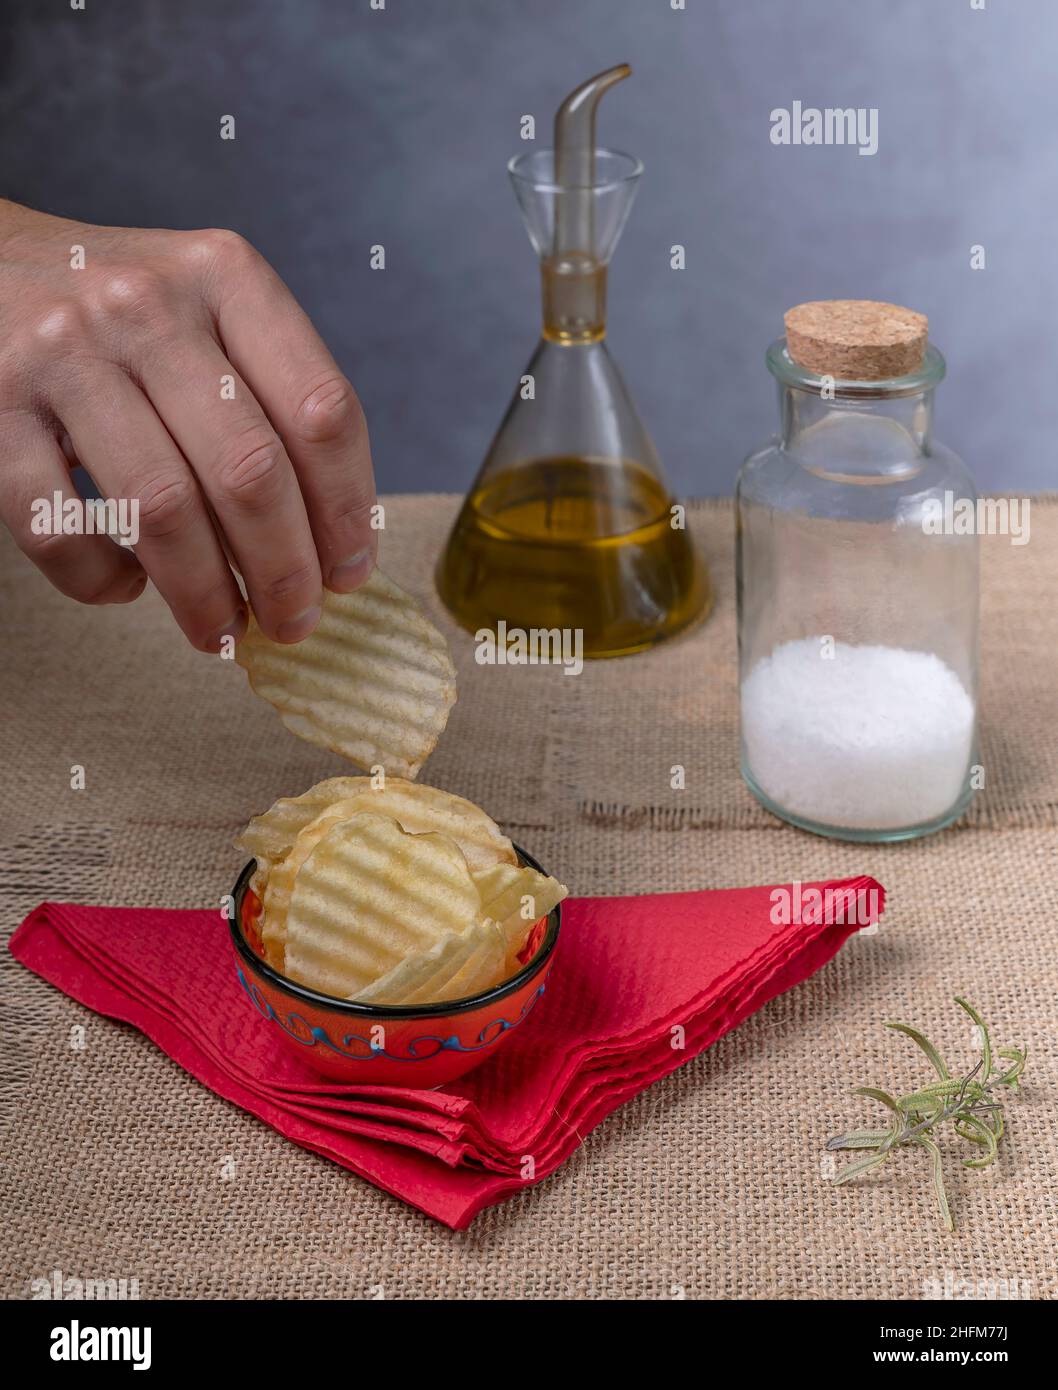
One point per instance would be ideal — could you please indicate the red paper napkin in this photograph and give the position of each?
(639, 986)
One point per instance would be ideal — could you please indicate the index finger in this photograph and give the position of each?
(272, 344)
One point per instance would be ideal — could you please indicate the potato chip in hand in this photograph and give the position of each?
(374, 682)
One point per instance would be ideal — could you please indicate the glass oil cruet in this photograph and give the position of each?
(569, 523)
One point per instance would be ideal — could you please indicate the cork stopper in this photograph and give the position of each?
(856, 339)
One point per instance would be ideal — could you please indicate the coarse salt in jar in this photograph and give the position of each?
(857, 614)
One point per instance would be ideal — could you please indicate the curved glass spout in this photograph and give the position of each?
(575, 199)
(575, 163)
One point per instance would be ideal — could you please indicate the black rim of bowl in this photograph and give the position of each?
(356, 1010)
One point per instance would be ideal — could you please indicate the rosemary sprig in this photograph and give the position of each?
(968, 1102)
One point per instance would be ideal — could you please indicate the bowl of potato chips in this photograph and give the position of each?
(390, 932)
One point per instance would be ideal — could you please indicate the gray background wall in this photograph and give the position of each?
(355, 126)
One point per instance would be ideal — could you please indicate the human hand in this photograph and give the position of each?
(178, 369)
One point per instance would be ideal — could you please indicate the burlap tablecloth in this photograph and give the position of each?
(710, 1184)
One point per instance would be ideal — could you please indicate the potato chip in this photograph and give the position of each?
(279, 884)
(443, 960)
(461, 964)
(498, 883)
(271, 835)
(369, 895)
(517, 898)
(259, 878)
(418, 808)
(484, 969)
(447, 981)
(374, 682)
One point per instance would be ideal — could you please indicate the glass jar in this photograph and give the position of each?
(570, 524)
(857, 608)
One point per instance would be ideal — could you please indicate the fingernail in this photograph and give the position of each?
(351, 573)
(294, 629)
(235, 630)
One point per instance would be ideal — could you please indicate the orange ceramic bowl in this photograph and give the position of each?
(422, 1045)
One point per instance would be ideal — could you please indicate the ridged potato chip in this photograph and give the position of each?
(502, 890)
(369, 895)
(483, 969)
(374, 682)
(418, 808)
(460, 964)
(279, 884)
(441, 984)
(497, 885)
(259, 878)
(271, 835)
